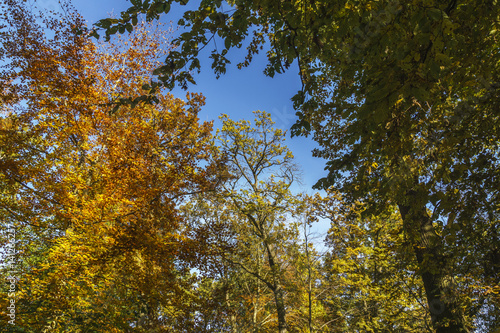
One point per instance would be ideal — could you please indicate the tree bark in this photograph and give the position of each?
(277, 289)
(446, 315)
(232, 317)
(280, 306)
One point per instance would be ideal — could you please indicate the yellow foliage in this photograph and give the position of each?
(93, 190)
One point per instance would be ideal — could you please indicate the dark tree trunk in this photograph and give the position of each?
(280, 306)
(277, 289)
(434, 269)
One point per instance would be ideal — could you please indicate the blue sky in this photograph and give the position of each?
(237, 93)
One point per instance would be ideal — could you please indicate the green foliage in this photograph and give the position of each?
(401, 97)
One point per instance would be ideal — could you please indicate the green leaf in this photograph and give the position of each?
(186, 36)
(159, 70)
(94, 34)
(106, 23)
(434, 69)
(435, 13)
(166, 8)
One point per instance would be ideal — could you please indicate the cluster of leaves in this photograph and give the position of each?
(92, 191)
(373, 286)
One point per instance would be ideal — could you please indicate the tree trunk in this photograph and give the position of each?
(232, 317)
(280, 307)
(277, 289)
(309, 280)
(446, 315)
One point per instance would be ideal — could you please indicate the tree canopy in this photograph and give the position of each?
(92, 192)
(130, 215)
(401, 97)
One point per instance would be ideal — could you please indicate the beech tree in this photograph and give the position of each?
(92, 189)
(402, 98)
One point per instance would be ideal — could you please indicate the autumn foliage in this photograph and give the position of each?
(130, 215)
(92, 189)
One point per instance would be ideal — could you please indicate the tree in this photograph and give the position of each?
(308, 284)
(403, 100)
(259, 193)
(259, 280)
(373, 286)
(91, 188)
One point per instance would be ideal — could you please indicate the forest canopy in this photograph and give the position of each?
(122, 211)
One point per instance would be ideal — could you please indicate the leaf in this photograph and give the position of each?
(105, 23)
(129, 27)
(94, 34)
(166, 8)
(435, 13)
